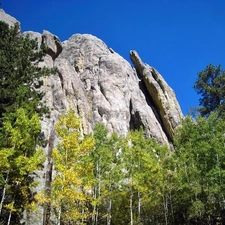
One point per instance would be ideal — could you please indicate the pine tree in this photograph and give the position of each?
(210, 85)
(20, 76)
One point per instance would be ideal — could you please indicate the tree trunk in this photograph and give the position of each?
(139, 205)
(165, 206)
(131, 207)
(59, 215)
(94, 208)
(3, 192)
(109, 212)
(9, 218)
(82, 219)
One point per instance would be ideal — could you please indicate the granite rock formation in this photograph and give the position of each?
(101, 86)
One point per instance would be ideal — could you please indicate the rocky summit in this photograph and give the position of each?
(102, 87)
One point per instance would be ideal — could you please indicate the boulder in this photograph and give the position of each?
(53, 44)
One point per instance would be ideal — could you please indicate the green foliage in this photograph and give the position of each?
(21, 159)
(200, 153)
(134, 180)
(129, 178)
(19, 72)
(210, 85)
(107, 174)
(20, 104)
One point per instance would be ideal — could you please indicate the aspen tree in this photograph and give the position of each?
(71, 186)
(22, 159)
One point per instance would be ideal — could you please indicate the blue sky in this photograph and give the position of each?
(177, 37)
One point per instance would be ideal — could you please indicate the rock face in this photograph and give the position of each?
(162, 97)
(54, 46)
(7, 18)
(101, 86)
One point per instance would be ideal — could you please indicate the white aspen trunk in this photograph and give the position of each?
(96, 217)
(3, 192)
(59, 216)
(9, 218)
(131, 206)
(48, 180)
(99, 192)
(94, 208)
(139, 205)
(165, 207)
(220, 178)
(109, 212)
(171, 205)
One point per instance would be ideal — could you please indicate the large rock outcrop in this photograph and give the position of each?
(101, 86)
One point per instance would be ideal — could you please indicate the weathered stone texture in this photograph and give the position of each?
(167, 108)
(53, 44)
(101, 86)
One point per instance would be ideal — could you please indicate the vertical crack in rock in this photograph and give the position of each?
(135, 119)
(102, 89)
(151, 103)
(61, 79)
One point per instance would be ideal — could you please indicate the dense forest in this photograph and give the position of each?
(104, 178)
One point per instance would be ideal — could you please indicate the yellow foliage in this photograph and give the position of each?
(73, 169)
(10, 207)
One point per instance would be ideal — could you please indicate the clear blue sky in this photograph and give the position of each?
(177, 37)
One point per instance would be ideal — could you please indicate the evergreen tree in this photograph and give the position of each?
(211, 86)
(20, 76)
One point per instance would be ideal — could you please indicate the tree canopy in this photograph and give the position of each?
(199, 157)
(20, 107)
(19, 71)
(211, 86)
